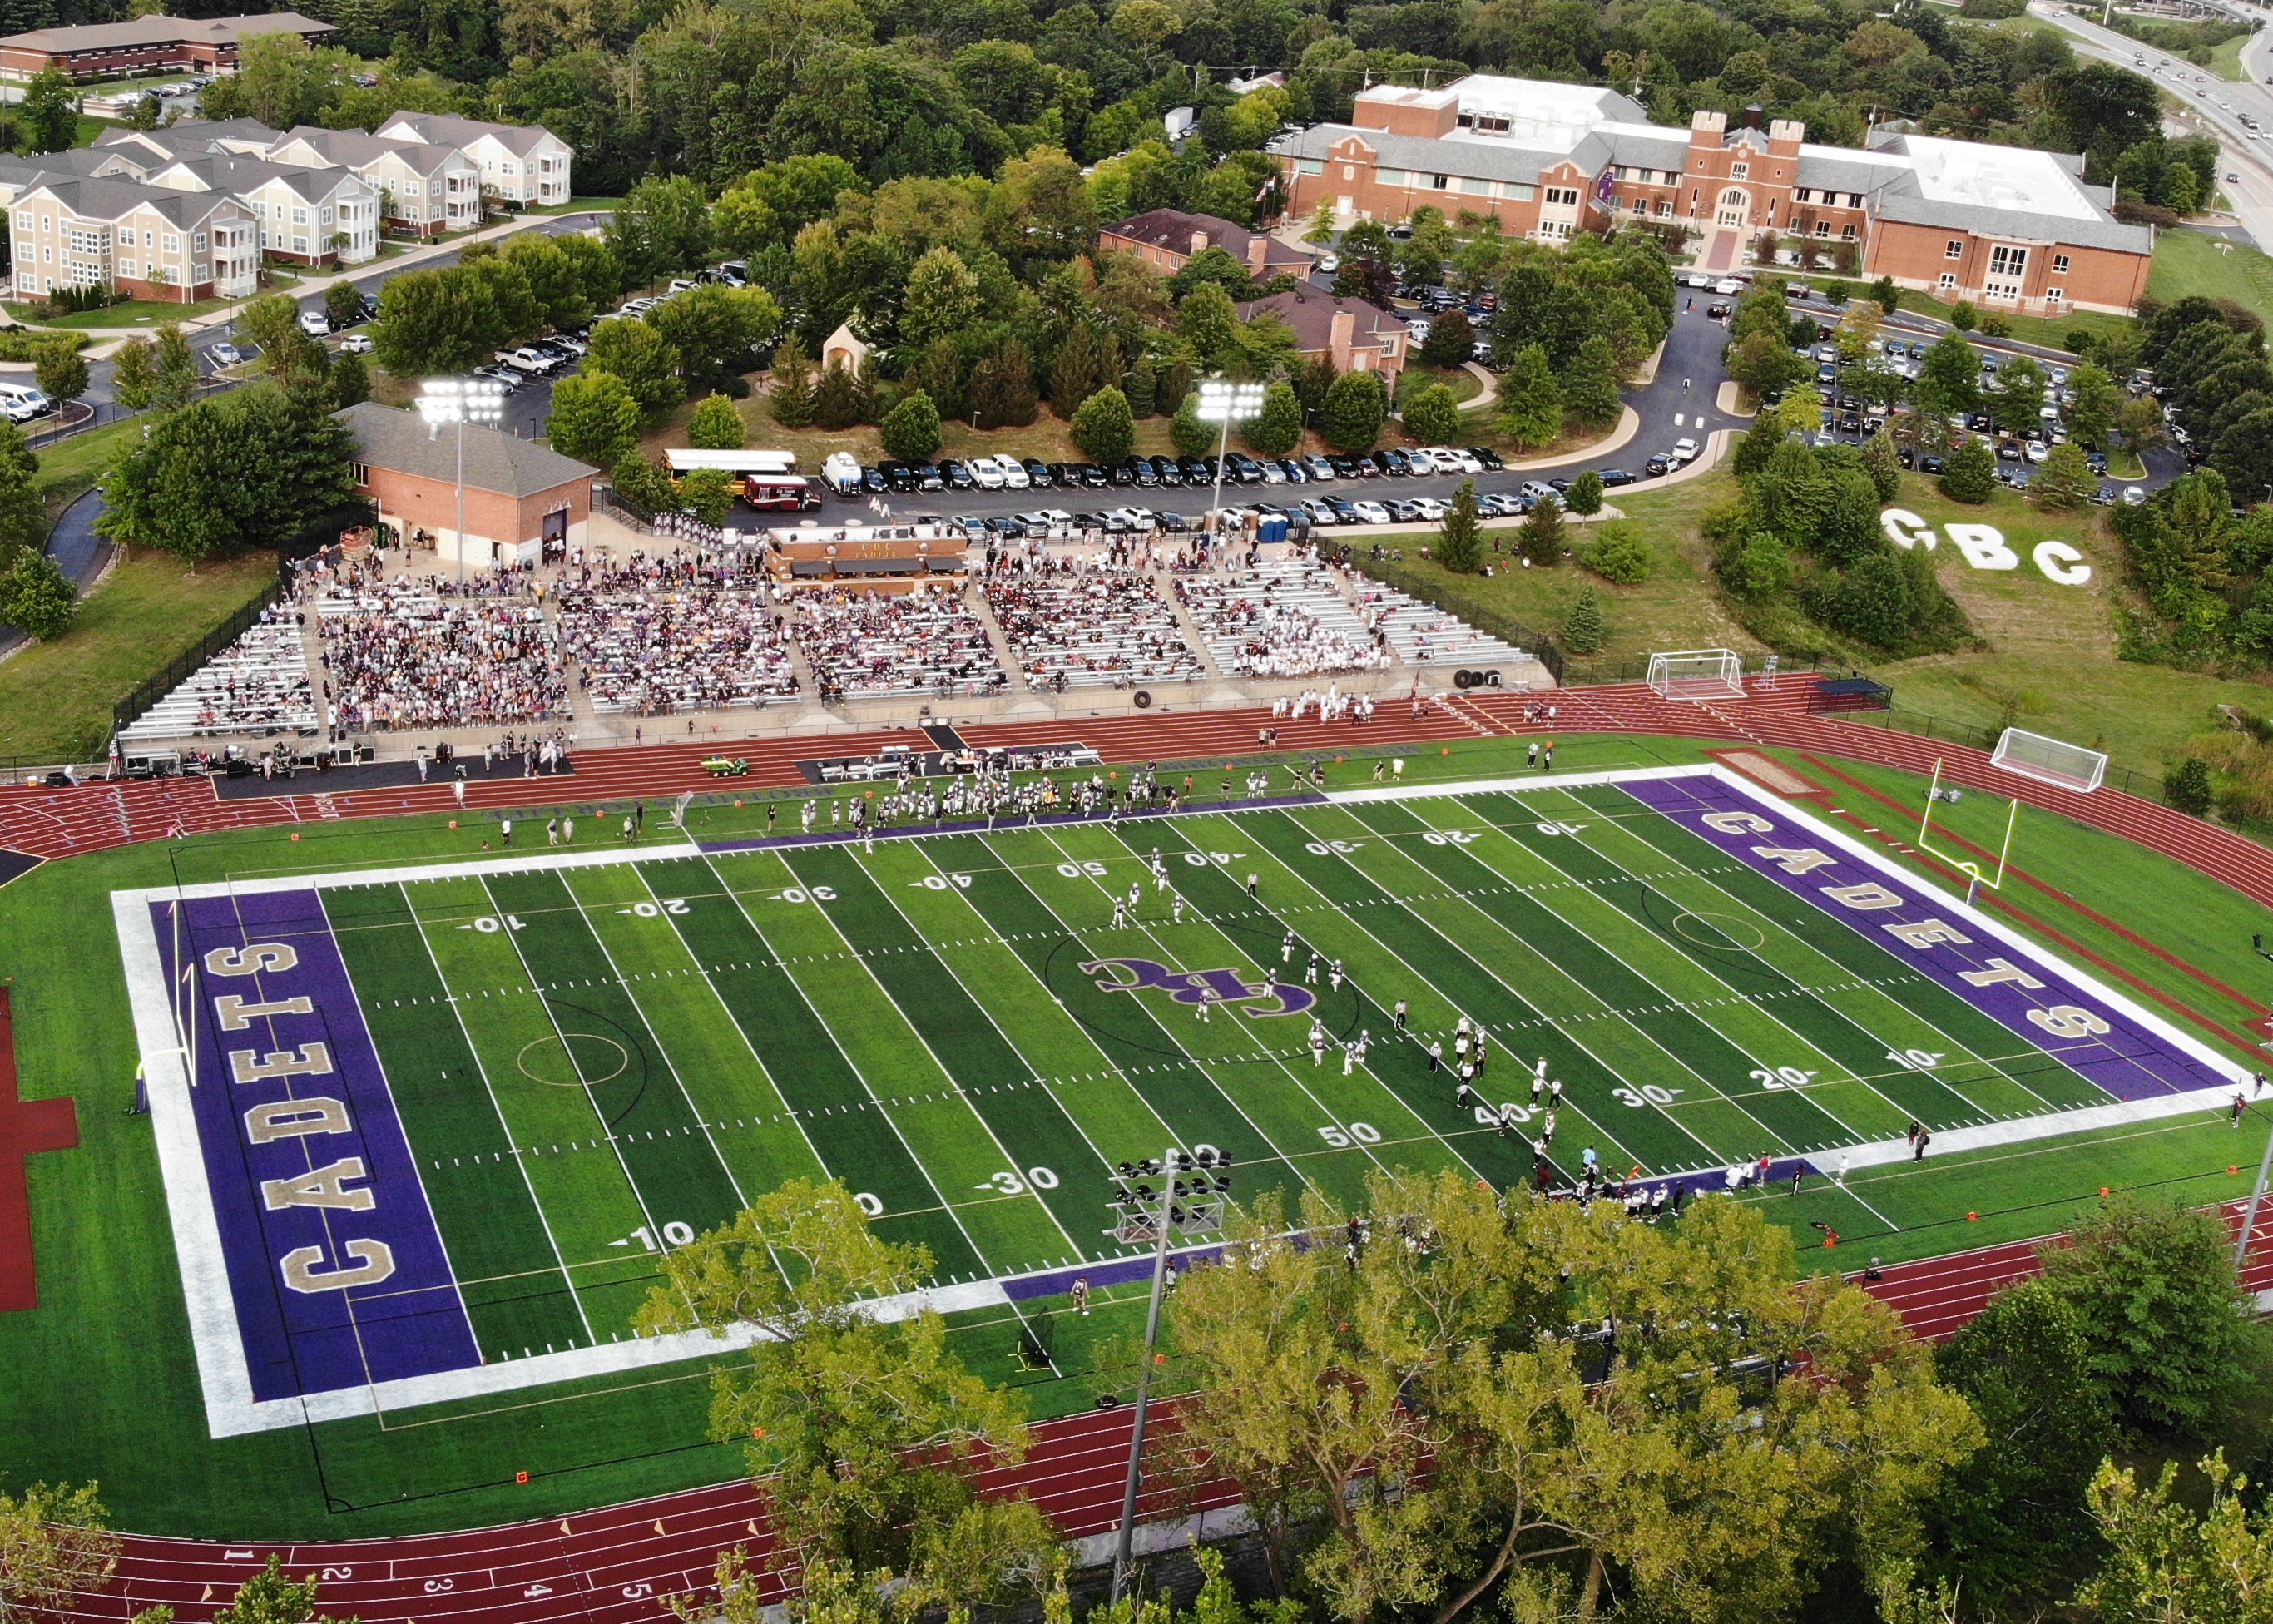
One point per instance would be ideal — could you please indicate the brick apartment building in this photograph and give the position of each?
(146, 45)
(1170, 239)
(1358, 337)
(518, 495)
(2005, 227)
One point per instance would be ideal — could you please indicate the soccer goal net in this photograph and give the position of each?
(2050, 760)
(1699, 674)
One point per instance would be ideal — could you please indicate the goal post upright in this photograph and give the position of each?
(1974, 878)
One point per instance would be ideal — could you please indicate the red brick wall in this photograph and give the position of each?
(2096, 278)
(432, 504)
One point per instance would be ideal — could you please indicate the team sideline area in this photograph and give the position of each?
(547, 1063)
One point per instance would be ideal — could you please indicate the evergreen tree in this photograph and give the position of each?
(2188, 787)
(1452, 341)
(939, 373)
(791, 397)
(1882, 460)
(350, 380)
(1758, 446)
(716, 425)
(1971, 473)
(1078, 369)
(1590, 385)
(2063, 480)
(1001, 393)
(1460, 542)
(1850, 525)
(1584, 497)
(1582, 627)
(1278, 428)
(1530, 401)
(1141, 387)
(911, 430)
(1103, 427)
(837, 401)
(1541, 539)
(1356, 409)
(1312, 382)
(1190, 435)
(1433, 416)
(1174, 379)
(134, 374)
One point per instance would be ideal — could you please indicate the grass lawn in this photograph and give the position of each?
(2194, 262)
(135, 312)
(2226, 58)
(2050, 331)
(56, 698)
(70, 465)
(1463, 383)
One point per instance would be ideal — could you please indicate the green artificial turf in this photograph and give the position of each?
(916, 1020)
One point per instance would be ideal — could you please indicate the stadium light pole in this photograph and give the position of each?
(460, 401)
(1161, 1216)
(1226, 403)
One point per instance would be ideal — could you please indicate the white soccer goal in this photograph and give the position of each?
(678, 808)
(2050, 760)
(1699, 674)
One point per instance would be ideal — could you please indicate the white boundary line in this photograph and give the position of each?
(231, 1411)
(2044, 1125)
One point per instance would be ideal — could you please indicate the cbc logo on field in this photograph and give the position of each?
(1985, 547)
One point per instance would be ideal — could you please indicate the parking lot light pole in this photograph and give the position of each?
(460, 401)
(1226, 403)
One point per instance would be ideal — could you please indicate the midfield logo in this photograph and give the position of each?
(1196, 986)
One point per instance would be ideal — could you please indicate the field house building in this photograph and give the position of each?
(518, 495)
(147, 45)
(2005, 226)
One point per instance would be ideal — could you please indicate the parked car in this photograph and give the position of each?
(315, 324)
(1617, 476)
(1684, 451)
(1491, 458)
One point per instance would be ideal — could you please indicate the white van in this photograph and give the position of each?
(22, 402)
(842, 470)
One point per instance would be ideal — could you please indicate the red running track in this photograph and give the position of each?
(611, 1565)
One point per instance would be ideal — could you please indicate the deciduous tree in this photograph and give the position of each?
(716, 425)
(1103, 428)
(55, 1550)
(1530, 401)
(645, 361)
(1356, 406)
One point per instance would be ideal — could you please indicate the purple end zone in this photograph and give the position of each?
(302, 1334)
(2105, 1046)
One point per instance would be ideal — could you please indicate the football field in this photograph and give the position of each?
(424, 1131)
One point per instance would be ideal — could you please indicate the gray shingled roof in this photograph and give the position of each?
(110, 199)
(2113, 234)
(355, 148)
(389, 437)
(228, 172)
(443, 129)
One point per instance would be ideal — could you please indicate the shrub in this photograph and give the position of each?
(1191, 437)
(1615, 552)
(1970, 475)
(1278, 428)
(2186, 787)
(1103, 427)
(1962, 315)
(1433, 417)
(911, 430)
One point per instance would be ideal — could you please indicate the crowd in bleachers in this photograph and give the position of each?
(1080, 624)
(398, 659)
(642, 653)
(256, 685)
(1287, 621)
(1424, 635)
(864, 645)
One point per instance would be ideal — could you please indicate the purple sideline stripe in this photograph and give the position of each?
(2127, 1062)
(412, 1324)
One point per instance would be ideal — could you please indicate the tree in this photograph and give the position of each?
(863, 1437)
(272, 1598)
(1460, 539)
(436, 322)
(37, 598)
(717, 331)
(911, 431)
(2140, 424)
(594, 418)
(708, 494)
(1883, 462)
(1763, 362)
(1142, 386)
(791, 397)
(1849, 528)
(250, 468)
(1187, 431)
(55, 1550)
(661, 228)
(1584, 497)
(343, 304)
(1530, 401)
(1078, 370)
(287, 353)
(1104, 428)
(2063, 480)
(2020, 394)
(646, 485)
(643, 358)
(1419, 1401)
(716, 425)
(351, 379)
(1432, 415)
(1278, 428)
(134, 374)
(49, 113)
(2153, 1285)
(1949, 377)
(2091, 414)
(61, 370)
(942, 299)
(1540, 538)
(1001, 393)
(1886, 296)
(177, 364)
(1582, 627)
(1963, 317)
(1615, 550)
(2006, 1524)
(1356, 406)
(1452, 341)
(2166, 1560)
(838, 400)
(1970, 474)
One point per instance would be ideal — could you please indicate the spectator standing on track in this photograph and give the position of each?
(458, 792)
